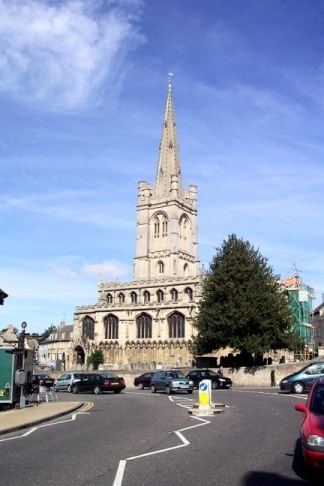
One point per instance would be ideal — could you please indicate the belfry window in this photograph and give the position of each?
(111, 327)
(88, 328)
(144, 326)
(176, 323)
(160, 296)
(160, 226)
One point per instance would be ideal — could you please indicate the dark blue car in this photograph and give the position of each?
(303, 379)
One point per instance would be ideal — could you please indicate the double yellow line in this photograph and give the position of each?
(86, 407)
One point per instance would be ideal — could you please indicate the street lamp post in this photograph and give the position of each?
(21, 361)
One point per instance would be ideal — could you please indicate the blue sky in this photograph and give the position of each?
(82, 94)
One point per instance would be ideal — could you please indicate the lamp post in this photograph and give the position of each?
(21, 361)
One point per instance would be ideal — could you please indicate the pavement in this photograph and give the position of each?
(12, 420)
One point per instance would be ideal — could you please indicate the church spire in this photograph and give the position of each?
(168, 169)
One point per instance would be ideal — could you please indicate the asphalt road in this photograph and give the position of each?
(253, 443)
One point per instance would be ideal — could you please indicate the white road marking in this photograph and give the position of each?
(184, 443)
(272, 393)
(36, 427)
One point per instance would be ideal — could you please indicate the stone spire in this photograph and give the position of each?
(168, 169)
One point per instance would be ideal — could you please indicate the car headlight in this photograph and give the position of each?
(284, 381)
(191, 382)
(315, 442)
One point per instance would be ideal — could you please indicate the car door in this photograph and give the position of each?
(147, 379)
(162, 380)
(311, 373)
(60, 384)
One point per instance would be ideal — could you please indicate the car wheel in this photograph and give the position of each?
(189, 391)
(298, 387)
(96, 390)
(169, 390)
(117, 391)
(153, 389)
(75, 389)
(69, 389)
(140, 386)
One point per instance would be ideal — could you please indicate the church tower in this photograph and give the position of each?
(166, 230)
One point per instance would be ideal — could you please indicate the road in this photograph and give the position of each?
(142, 439)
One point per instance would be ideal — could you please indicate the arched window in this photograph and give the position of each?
(147, 297)
(109, 298)
(160, 296)
(174, 295)
(189, 293)
(156, 228)
(144, 326)
(160, 226)
(160, 266)
(164, 227)
(134, 297)
(121, 298)
(111, 327)
(176, 323)
(88, 328)
(185, 269)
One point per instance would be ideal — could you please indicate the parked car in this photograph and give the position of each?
(302, 380)
(217, 380)
(66, 381)
(41, 380)
(312, 426)
(98, 383)
(171, 381)
(144, 380)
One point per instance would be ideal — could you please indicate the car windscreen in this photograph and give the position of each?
(317, 403)
(109, 376)
(174, 374)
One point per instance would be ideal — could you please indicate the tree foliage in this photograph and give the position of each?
(243, 305)
(47, 332)
(96, 358)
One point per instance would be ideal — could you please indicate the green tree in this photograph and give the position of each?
(96, 358)
(243, 305)
(47, 332)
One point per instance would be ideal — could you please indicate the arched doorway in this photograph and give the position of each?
(78, 355)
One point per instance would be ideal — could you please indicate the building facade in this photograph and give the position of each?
(57, 350)
(148, 322)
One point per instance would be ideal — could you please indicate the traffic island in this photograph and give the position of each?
(206, 405)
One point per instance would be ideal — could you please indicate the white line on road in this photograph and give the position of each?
(304, 397)
(184, 443)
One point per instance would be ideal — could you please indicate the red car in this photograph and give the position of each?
(312, 427)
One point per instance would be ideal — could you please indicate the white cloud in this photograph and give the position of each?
(65, 273)
(60, 53)
(110, 269)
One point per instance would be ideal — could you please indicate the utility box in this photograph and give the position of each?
(9, 386)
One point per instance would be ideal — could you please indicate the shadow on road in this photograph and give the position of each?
(305, 476)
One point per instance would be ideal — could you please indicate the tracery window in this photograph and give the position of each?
(176, 323)
(160, 296)
(160, 226)
(134, 297)
(189, 293)
(111, 327)
(88, 328)
(144, 326)
(174, 295)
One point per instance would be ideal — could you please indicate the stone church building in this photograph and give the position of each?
(148, 322)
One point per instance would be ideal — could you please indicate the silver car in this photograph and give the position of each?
(171, 381)
(66, 381)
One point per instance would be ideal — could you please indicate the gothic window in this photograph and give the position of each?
(160, 226)
(147, 297)
(174, 295)
(185, 269)
(88, 328)
(160, 266)
(189, 293)
(160, 296)
(134, 297)
(111, 327)
(164, 227)
(144, 326)
(109, 298)
(121, 298)
(176, 323)
(156, 228)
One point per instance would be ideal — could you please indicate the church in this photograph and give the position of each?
(148, 322)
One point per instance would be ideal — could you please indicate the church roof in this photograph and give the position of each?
(169, 160)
